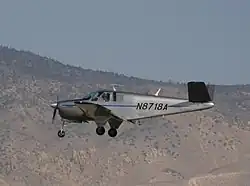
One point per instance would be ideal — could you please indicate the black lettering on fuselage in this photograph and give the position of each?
(151, 106)
(139, 106)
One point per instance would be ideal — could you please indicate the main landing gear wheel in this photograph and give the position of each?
(61, 133)
(100, 131)
(112, 132)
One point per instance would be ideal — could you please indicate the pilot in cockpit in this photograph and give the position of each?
(106, 97)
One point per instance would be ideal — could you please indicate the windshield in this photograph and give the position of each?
(89, 96)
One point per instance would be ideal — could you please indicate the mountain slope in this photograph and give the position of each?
(203, 148)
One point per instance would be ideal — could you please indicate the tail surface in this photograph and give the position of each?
(199, 92)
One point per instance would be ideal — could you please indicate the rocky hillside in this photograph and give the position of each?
(203, 148)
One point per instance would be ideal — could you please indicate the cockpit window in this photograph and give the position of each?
(94, 96)
(90, 96)
(106, 96)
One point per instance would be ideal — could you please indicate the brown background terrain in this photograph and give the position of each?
(206, 148)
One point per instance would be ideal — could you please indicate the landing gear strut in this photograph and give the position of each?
(112, 132)
(61, 133)
(100, 131)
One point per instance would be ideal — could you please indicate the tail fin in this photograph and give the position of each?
(199, 92)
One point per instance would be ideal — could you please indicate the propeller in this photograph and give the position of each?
(55, 106)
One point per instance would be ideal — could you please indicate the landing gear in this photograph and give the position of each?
(112, 132)
(61, 133)
(100, 131)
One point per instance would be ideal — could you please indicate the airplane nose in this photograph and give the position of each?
(53, 105)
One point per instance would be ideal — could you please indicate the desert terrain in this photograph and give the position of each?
(208, 148)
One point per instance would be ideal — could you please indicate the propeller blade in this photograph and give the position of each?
(55, 106)
(54, 114)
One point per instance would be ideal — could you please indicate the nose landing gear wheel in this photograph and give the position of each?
(112, 132)
(61, 133)
(100, 131)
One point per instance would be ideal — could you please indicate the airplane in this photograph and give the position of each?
(113, 107)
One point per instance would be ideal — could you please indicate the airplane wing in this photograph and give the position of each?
(100, 114)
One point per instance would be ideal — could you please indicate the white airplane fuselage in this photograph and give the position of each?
(132, 106)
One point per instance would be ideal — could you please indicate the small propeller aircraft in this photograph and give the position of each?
(114, 107)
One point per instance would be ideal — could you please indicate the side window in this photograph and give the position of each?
(106, 96)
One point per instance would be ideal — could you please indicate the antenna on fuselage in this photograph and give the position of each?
(158, 91)
(155, 94)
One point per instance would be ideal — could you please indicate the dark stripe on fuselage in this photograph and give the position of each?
(105, 105)
(128, 106)
(113, 105)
